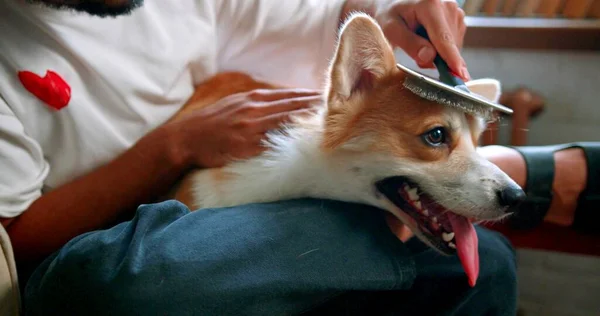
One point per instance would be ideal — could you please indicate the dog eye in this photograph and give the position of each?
(435, 137)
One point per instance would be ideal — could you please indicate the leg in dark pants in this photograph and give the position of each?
(441, 286)
(280, 258)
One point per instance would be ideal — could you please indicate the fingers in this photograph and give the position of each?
(257, 147)
(268, 95)
(260, 103)
(461, 27)
(444, 22)
(455, 17)
(255, 144)
(269, 123)
(398, 228)
(435, 20)
(404, 233)
(274, 121)
(400, 34)
(287, 105)
(256, 110)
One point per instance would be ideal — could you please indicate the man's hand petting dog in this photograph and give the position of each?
(235, 126)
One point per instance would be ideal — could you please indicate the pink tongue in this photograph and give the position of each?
(466, 245)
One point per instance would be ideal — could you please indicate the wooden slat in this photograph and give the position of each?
(527, 8)
(571, 9)
(473, 7)
(490, 7)
(576, 9)
(594, 11)
(509, 7)
(550, 8)
(532, 33)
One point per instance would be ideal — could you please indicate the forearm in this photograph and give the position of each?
(97, 199)
(570, 178)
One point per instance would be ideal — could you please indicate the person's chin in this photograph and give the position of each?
(100, 8)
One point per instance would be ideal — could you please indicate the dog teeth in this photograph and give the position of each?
(452, 245)
(434, 219)
(418, 204)
(425, 212)
(447, 236)
(412, 194)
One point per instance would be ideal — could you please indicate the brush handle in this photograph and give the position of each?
(447, 76)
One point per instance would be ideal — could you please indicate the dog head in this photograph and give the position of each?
(413, 157)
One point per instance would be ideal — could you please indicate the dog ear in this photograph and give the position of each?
(363, 55)
(487, 88)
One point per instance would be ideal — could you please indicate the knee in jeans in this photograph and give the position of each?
(497, 260)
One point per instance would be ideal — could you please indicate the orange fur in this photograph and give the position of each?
(394, 114)
(206, 94)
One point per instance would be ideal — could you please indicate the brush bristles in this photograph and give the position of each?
(444, 97)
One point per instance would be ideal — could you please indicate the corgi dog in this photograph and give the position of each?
(372, 142)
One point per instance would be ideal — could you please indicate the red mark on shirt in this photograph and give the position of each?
(51, 89)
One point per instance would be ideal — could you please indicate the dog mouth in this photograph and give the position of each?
(443, 229)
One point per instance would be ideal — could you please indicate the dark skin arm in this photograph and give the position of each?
(95, 200)
(112, 192)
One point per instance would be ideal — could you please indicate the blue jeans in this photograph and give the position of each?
(293, 257)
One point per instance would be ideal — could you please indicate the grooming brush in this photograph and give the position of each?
(450, 89)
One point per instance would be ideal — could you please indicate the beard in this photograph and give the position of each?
(100, 8)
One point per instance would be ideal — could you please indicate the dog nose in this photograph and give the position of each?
(511, 196)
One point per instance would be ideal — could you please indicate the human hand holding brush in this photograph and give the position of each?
(442, 19)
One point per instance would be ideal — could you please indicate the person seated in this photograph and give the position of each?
(81, 169)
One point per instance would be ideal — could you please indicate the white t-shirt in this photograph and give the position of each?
(129, 74)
